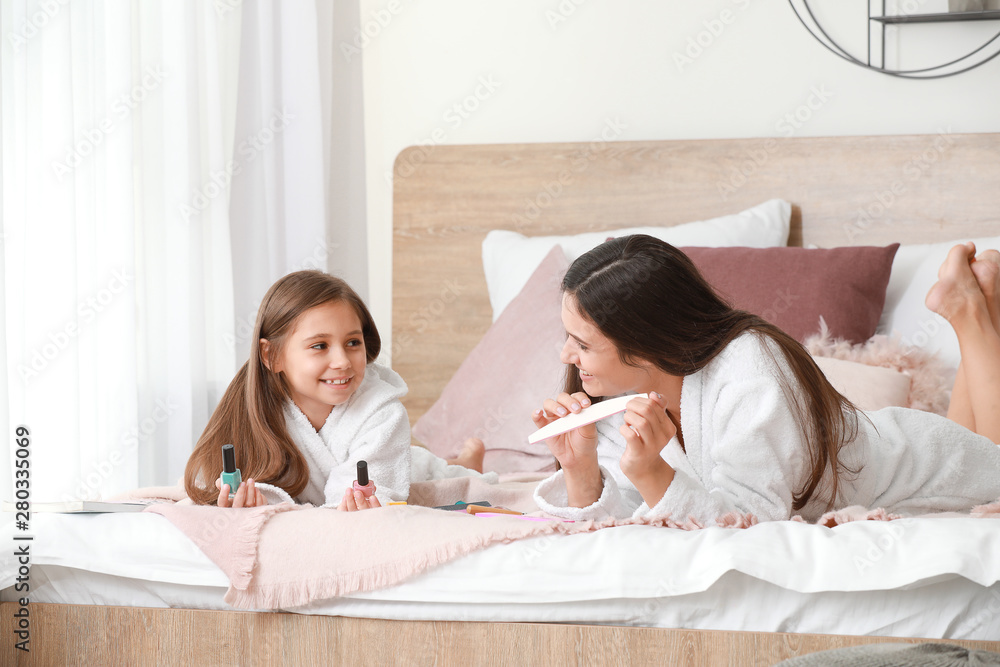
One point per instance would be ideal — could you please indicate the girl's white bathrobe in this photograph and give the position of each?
(372, 425)
(745, 452)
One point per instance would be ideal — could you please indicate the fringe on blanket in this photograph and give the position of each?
(245, 551)
(278, 595)
(233, 550)
(988, 511)
(249, 592)
(855, 513)
(257, 569)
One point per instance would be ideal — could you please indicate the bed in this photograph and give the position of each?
(97, 600)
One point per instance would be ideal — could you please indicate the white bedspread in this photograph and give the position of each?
(930, 577)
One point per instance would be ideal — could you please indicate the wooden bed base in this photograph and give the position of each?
(71, 635)
(845, 191)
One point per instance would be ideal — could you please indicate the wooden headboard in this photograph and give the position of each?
(844, 191)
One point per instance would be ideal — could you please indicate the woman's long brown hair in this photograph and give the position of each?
(250, 415)
(649, 299)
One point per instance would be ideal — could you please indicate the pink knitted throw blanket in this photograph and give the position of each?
(281, 556)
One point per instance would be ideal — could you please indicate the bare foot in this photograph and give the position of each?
(471, 456)
(957, 291)
(986, 269)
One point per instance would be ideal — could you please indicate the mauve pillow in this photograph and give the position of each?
(512, 370)
(793, 287)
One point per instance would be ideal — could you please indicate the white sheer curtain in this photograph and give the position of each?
(162, 163)
(280, 106)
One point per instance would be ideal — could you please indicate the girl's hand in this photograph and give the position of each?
(355, 500)
(247, 495)
(576, 450)
(647, 431)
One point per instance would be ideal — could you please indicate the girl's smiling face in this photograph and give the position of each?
(596, 357)
(323, 359)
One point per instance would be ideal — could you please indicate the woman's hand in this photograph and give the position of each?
(355, 500)
(247, 495)
(577, 447)
(576, 450)
(647, 431)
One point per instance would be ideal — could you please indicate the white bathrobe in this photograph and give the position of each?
(745, 452)
(372, 425)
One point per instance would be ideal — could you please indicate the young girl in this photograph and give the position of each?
(309, 404)
(739, 418)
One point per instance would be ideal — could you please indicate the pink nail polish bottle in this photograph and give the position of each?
(362, 483)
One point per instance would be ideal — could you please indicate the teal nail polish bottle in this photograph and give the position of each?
(230, 473)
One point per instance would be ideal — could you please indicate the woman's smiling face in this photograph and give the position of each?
(601, 370)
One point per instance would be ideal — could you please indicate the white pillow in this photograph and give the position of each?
(510, 258)
(914, 271)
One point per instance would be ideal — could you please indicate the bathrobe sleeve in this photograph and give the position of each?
(383, 440)
(274, 495)
(551, 497)
(753, 453)
(619, 497)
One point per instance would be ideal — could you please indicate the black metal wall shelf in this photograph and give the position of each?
(947, 17)
(985, 51)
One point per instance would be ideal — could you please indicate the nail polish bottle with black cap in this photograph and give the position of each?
(230, 473)
(362, 483)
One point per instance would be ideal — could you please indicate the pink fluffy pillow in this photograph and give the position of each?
(929, 378)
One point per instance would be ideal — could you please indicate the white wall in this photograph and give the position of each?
(559, 70)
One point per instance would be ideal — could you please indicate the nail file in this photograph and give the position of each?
(594, 413)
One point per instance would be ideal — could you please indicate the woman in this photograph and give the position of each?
(739, 417)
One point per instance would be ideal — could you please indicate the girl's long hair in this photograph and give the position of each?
(250, 415)
(649, 299)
